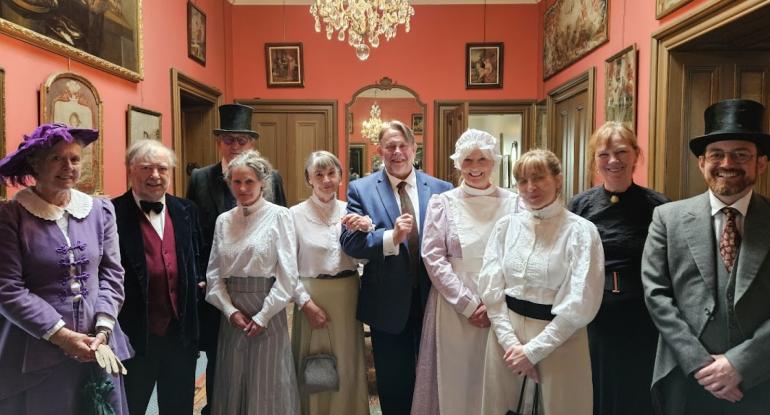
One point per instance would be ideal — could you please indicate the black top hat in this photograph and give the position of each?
(733, 119)
(235, 118)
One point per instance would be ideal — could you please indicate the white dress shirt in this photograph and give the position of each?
(157, 220)
(388, 246)
(547, 256)
(318, 241)
(741, 205)
(254, 241)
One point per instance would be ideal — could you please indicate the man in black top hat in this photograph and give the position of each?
(706, 275)
(207, 188)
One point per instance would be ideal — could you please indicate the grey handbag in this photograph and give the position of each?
(319, 371)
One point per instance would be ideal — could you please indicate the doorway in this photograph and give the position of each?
(194, 114)
(289, 131)
(721, 51)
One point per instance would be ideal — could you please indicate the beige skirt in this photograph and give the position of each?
(338, 298)
(565, 374)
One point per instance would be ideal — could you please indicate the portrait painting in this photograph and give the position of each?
(356, 161)
(483, 65)
(284, 65)
(620, 87)
(417, 124)
(71, 99)
(196, 34)
(665, 7)
(101, 33)
(573, 28)
(141, 124)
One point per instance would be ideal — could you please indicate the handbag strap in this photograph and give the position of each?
(536, 400)
(328, 332)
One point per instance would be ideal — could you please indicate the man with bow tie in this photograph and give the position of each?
(159, 249)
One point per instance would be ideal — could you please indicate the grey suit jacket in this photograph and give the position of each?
(679, 277)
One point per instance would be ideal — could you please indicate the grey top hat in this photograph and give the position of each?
(235, 118)
(733, 119)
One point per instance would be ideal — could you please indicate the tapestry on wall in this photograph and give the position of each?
(620, 87)
(573, 28)
(71, 99)
(103, 34)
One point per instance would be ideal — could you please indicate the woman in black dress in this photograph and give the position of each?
(622, 337)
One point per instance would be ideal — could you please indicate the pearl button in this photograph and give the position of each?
(75, 287)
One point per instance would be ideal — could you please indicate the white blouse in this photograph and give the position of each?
(547, 256)
(318, 241)
(254, 241)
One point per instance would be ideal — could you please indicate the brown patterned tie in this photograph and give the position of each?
(413, 239)
(730, 242)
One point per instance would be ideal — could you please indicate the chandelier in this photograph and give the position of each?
(364, 20)
(371, 127)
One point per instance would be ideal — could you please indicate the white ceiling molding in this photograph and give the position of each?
(414, 2)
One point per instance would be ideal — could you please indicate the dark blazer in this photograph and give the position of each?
(386, 287)
(133, 316)
(679, 277)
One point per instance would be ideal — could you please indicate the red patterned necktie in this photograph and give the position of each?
(730, 242)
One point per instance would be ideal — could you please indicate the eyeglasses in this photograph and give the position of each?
(738, 156)
(229, 140)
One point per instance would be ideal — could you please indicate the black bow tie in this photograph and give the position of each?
(156, 207)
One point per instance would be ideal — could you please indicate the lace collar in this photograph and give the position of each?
(478, 192)
(79, 206)
(554, 209)
(326, 213)
(244, 211)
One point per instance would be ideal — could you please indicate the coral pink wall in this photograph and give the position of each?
(430, 59)
(165, 47)
(631, 21)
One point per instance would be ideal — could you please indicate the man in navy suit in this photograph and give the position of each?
(395, 286)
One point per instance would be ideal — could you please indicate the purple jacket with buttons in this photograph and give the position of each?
(36, 290)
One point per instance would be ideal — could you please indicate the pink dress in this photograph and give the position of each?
(458, 224)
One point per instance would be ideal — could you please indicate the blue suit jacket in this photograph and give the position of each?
(386, 287)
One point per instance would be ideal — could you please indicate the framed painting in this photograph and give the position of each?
(284, 65)
(572, 30)
(349, 122)
(541, 125)
(356, 161)
(418, 124)
(196, 34)
(483, 65)
(104, 34)
(71, 99)
(2, 125)
(665, 7)
(141, 124)
(620, 87)
(419, 156)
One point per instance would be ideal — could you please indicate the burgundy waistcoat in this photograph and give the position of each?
(161, 273)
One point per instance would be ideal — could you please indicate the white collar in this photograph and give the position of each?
(136, 199)
(248, 210)
(554, 209)
(79, 206)
(326, 206)
(478, 192)
(741, 205)
(410, 180)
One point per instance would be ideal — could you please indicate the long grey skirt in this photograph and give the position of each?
(255, 375)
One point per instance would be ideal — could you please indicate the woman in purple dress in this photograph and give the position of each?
(61, 284)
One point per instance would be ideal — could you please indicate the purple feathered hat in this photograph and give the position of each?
(15, 168)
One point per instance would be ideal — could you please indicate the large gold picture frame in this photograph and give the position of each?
(572, 30)
(104, 34)
(71, 99)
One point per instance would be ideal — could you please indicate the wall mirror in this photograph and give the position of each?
(383, 101)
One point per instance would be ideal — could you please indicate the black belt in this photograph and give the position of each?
(341, 274)
(528, 309)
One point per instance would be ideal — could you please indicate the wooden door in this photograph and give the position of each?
(697, 80)
(453, 121)
(286, 140)
(199, 146)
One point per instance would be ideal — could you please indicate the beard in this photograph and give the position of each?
(732, 186)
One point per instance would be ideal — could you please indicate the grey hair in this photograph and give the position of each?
(473, 139)
(145, 148)
(398, 126)
(259, 165)
(321, 160)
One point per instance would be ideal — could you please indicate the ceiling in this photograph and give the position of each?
(308, 2)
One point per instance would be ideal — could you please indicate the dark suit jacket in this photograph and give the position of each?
(133, 316)
(386, 288)
(679, 277)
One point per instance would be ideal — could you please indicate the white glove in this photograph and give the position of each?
(108, 361)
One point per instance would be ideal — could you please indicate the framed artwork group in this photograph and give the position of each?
(103, 34)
